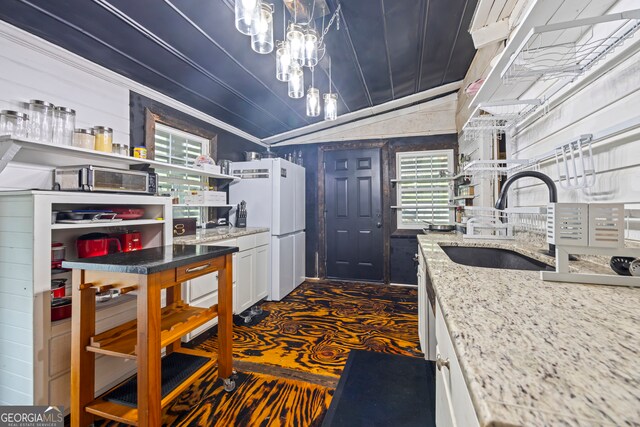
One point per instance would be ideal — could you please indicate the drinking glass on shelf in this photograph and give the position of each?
(13, 123)
(64, 123)
(41, 120)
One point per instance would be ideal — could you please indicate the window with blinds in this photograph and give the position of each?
(179, 148)
(422, 193)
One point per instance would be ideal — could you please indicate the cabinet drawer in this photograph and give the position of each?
(203, 285)
(453, 401)
(246, 242)
(262, 239)
(195, 269)
(59, 354)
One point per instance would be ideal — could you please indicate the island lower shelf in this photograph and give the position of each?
(178, 319)
(125, 410)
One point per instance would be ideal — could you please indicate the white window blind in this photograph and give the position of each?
(179, 148)
(421, 191)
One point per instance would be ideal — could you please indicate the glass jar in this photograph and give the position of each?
(104, 139)
(13, 123)
(64, 123)
(84, 138)
(41, 120)
(120, 149)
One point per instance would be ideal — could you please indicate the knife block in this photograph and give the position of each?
(241, 222)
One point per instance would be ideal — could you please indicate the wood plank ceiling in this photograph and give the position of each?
(191, 51)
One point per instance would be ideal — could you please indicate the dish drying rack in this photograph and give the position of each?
(587, 229)
(532, 219)
(568, 49)
(574, 161)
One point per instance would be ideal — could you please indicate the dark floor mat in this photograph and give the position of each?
(241, 320)
(176, 367)
(380, 390)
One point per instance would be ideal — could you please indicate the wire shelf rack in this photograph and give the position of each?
(513, 111)
(532, 219)
(568, 49)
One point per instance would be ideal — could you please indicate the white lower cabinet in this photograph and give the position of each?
(453, 401)
(426, 316)
(251, 273)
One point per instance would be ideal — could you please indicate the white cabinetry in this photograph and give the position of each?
(34, 351)
(251, 270)
(453, 402)
(426, 314)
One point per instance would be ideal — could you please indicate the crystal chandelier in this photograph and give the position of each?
(302, 47)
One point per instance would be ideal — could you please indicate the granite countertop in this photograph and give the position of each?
(535, 352)
(152, 260)
(215, 234)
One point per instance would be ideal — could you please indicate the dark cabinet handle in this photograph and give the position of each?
(379, 224)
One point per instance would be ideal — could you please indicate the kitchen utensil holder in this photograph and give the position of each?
(567, 224)
(598, 225)
(587, 229)
(241, 222)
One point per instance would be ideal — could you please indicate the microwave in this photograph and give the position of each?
(102, 179)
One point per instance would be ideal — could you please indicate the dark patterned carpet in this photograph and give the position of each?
(283, 359)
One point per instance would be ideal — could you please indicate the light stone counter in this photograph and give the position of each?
(535, 352)
(215, 234)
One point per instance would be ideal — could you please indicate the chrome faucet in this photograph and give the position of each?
(501, 203)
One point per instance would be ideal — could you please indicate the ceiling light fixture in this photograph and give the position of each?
(302, 46)
(247, 15)
(262, 40)
(330, 101)
(313, 99)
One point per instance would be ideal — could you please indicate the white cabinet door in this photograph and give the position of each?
(262, 273)
(453, 401)
(299, 247)
(422, 293)
(282, 281)
(246, 275)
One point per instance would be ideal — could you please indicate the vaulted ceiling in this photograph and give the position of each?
(191, 51)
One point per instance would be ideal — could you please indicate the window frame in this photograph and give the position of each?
(403, 225)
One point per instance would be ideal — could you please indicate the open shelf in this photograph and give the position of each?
(178, 319)
(100, 224)
(25, 150)
(128, 414)
(568, 49)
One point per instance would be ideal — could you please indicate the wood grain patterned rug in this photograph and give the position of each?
(313, 329)
(289, 363)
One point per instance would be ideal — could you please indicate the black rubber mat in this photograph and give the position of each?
(239, 320)
(176, 368)
(380, 390)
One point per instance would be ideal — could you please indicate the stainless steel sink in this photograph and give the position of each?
(493, 258)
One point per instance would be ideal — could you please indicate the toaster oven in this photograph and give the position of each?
(102, 179)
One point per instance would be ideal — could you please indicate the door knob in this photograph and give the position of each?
(379, 224)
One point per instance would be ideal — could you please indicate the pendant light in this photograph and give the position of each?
(247, 15)
(295, 37)
(262, 40)
(313, 99)
(296, 82)
(310, 48)
(330, 101)
(283, 62)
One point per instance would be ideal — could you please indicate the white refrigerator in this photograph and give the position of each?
(275, 195)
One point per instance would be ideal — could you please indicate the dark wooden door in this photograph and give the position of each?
(353, 217)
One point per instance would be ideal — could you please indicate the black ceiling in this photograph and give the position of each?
(191, 51)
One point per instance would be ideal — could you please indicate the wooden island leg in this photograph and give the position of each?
(148, 352)
(83, 325)
(225, 319)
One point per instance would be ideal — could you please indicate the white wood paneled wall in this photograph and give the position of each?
(32, 68)
(16, 301)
